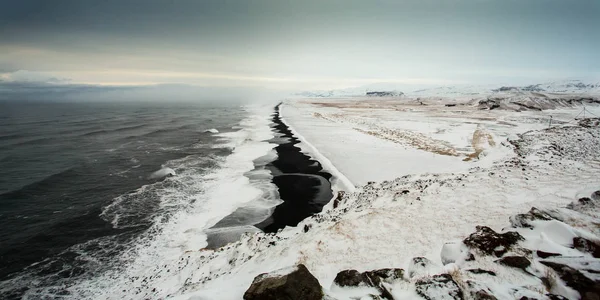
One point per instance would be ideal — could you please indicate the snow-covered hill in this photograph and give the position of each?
(555, 87)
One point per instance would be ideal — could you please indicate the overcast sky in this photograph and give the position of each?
(298, 44)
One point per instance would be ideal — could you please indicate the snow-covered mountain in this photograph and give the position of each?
(555, 87)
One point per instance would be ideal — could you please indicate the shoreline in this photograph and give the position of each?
(303, 185)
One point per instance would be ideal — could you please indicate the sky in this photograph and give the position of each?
(296, 45)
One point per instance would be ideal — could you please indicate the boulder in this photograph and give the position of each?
(454, 253)
(489, 242)
(585, 245)
(596, 196)
(518, 262)
(524, 220)
(375, 278)
(587, 288)
(478, 291)
(543, 254)
(289, 284)
(385, 275)
(482, 271)
(351, 278)
(438, 287)
(420, 266)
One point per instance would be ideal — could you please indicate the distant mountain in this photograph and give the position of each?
(565, 87)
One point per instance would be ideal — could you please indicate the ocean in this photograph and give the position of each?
(90, 189)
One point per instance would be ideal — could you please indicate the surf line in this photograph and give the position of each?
(303, 185)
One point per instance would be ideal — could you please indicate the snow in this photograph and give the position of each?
(417, 203)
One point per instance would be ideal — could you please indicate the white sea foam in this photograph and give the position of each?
(163, 172)
(212, 130)
(206, 199)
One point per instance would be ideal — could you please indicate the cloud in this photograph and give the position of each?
(32, 77)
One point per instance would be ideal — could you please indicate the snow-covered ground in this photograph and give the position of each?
(373, 140)
(436, 172)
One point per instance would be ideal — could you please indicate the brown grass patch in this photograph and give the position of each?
(481, 138)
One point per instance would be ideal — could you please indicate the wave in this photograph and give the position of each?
(162, 173)
(120, 129)
(196, 202)
(11, 136)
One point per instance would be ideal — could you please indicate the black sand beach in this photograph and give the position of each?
(303, 185)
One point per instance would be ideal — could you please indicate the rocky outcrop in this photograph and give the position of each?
(489, 242)
(518, 262)
(585, 245)
(384, 94)
(375, 278)
(439, 287)
(420, 266)
(524, 220)
(289, 284)
(587, 288)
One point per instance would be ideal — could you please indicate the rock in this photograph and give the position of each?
(292, 283)
(351, 278)
(587, 288)
(478, 291)
(375, 278)
(420, 266)
(518, 262)
(556, 297)
(454, 252)
(523, 220)
(543, 254)
(596, 196)
(438, 287)
(385, 275)
(306, 228)
(490, 242)
(481, 271)
(338, 199)
(583, 204)
(585, 245)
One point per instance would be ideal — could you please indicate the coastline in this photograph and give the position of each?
(303, 185)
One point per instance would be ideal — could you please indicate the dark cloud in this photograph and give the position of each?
(309, 38)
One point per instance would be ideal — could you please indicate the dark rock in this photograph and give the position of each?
(374, 278)
(351, 278)
(556, 297)
(418, 266)
(596, 196)
(306, 228)
(587, 288)
(585, 245)
(298, 284)
(338, 199)
(523, 220)
(470, 257)
(490, 242)
(478, 291)
(481, 271)
(518, 262)
(543, 254)
(432, 287)
(384, 275)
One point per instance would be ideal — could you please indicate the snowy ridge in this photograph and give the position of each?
(387, 224)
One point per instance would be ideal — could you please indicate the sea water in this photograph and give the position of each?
(90, 191)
